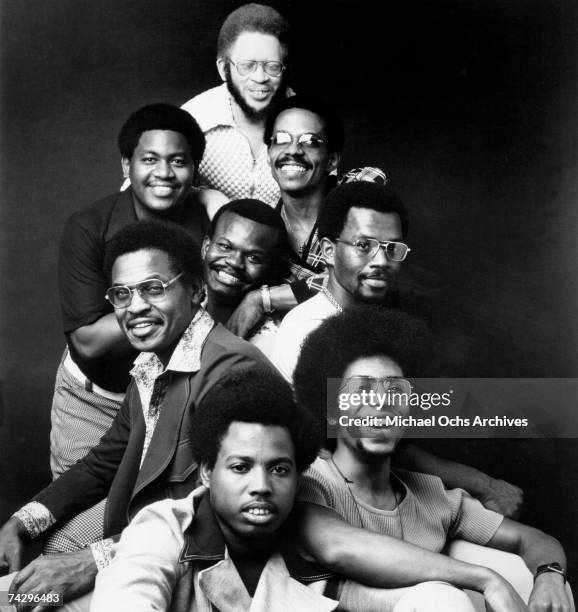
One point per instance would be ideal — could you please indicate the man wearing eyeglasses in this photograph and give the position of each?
(146, 455)
(362, 228)
(252, 50)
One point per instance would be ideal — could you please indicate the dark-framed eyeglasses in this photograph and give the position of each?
(246, 67)
(368, 247)
(150, 290)
(306, 140)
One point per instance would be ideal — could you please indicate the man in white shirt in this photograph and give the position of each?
(252, 49)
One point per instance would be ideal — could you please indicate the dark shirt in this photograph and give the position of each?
(83, 281)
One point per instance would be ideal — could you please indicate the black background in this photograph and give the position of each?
(469, 106)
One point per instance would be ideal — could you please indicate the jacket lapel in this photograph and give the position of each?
(166, 436)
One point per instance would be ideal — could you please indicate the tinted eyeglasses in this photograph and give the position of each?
(150, 290)
(368, 247)
(246, 67)
(306, 140)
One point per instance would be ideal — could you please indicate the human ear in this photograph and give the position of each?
(205, 474)
(221, 63)
(125, 163)
(328, 251)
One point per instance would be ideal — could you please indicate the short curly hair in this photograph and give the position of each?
(316, 105)
(161, 117)
(181, 249)
(360, 331)
(253, 18)
(362, 194)
(251, 395)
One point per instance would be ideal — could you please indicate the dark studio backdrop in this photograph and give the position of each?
(469, 106)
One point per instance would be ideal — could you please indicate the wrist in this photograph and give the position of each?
(266, 299)
(17, 527)
(550, 569)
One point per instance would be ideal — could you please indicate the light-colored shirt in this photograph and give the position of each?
(228, 164)
(427, 516)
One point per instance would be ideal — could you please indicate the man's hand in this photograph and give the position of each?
(71, 574)
(549, 594)
(501, 596)
(502, 497)
(12, 537)
(247, 314)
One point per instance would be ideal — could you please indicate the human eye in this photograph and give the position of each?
(149, 159)
(363, 245)
(120, 293)
(152, 288)
(281, 470)
(273, 68)
(281, 138)
(246, 66)
(239, 468)
(223, 246)
(310, 140)
(255, 259)
(179, 162)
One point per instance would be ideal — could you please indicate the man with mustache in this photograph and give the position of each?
(252, 51)
(146, 455)
(363, 227)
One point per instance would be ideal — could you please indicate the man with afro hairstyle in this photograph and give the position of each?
(228, 545)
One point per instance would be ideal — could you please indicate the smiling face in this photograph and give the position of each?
(239, 256)
(161, 172)
(355, 278)
(254, 92)
(254, 480)
(298, 169)
(380, 441)
(157, 326)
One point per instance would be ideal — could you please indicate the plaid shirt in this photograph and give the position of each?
(307, 271)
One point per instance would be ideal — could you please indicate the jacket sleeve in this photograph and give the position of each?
(89, 480)
(145, 568)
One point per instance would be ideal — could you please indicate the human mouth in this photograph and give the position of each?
(291, 168)
(162, 190)
(377, 281)
(260, 94)
(259, 513)
(141, 328)
(229, 279)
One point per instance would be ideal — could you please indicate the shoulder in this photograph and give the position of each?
(222, 343)
(307, 316)
(207, 107)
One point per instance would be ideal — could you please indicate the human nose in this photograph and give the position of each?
(259, 73)
(137, 303)
(163, 169)
(235, 259)
(294, 146)
(260, 481)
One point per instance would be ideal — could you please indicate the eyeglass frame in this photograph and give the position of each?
(382, 244)
(376, 379)
(262, 63)
(135, 288)
(297, 137)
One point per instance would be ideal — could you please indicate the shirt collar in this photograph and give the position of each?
(187, 354)
(218, 112)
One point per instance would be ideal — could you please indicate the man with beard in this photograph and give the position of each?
(252, 47)
(363, 227)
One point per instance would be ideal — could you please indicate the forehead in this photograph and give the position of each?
(245, 232)
(256, 46)
(299, 121)
(163, 141)
(139, 265)
(376, 366)
(371, 223)
(262, 443)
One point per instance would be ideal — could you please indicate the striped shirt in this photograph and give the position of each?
(427, 516)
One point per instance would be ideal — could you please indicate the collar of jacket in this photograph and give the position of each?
(204, 542)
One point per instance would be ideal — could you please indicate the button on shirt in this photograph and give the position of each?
(228, 164)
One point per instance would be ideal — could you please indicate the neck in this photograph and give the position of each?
(145, 214)
(220, 310)
(241, 549)
(243, 122)
(306, 208)
(343, 297)
(371, 477)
